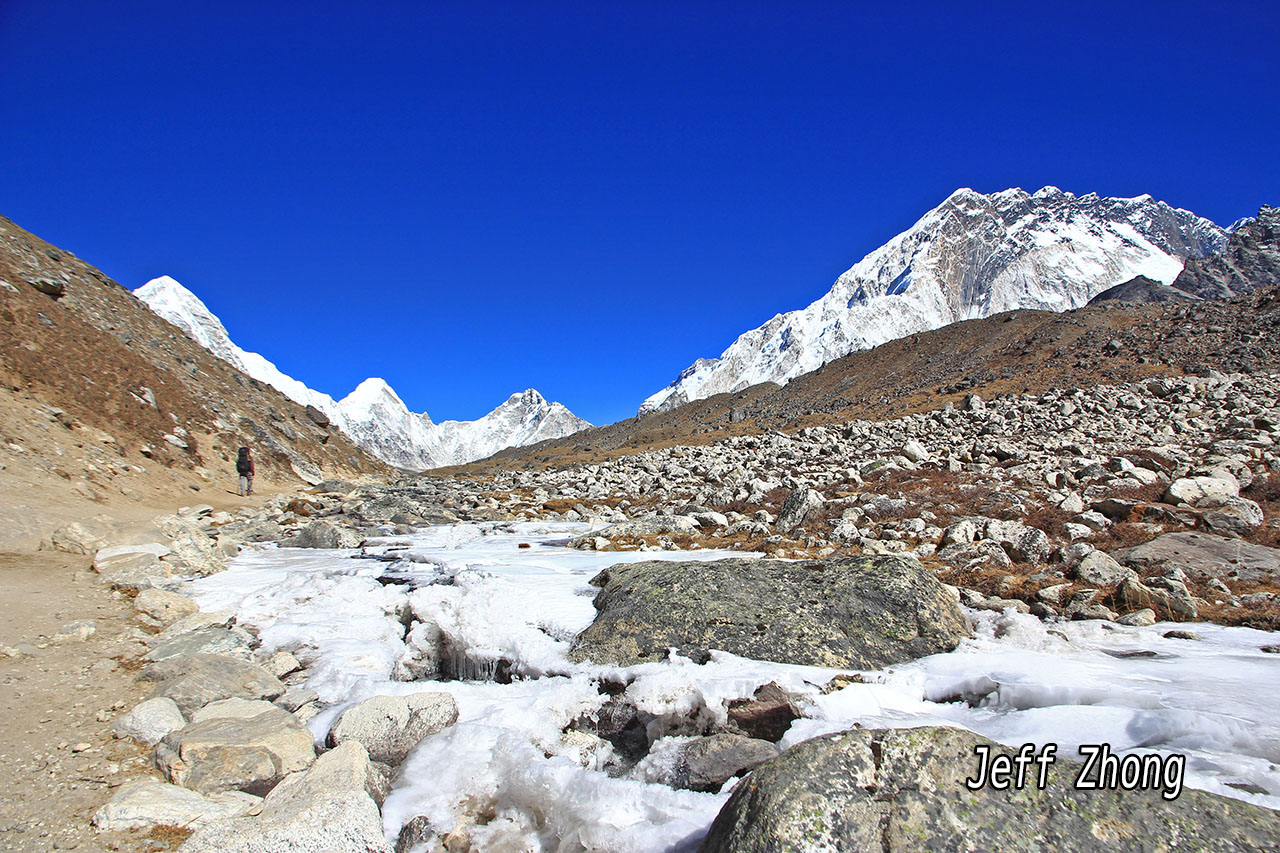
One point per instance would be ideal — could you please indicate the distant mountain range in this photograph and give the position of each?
(373, 416)
(972, 256)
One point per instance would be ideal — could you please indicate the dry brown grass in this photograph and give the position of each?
(171, 837)
(1124, 534)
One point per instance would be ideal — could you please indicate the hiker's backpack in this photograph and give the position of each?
(243, 466)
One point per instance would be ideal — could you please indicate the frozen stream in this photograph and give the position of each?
(480, 604)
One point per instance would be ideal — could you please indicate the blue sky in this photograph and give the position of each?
(469, 199)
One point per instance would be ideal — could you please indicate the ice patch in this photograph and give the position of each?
(521, 770)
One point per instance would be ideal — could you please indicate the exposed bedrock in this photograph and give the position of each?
(860, 612)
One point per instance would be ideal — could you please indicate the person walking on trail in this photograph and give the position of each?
(244, 467)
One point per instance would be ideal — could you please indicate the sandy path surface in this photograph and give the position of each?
(60, 695)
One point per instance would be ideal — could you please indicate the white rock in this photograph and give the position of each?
(915, 451)
(154, 548)
(150, 721)
(1194, 490)
(1101, 569)
(140, 805)
(390, 726)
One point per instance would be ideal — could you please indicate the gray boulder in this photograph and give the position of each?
(204, 641)
(1233, 517)
(1023, 543)
(861, 612)
(164, 606)
(194, 553)
(1100, 569)
(322, 534)
(141, 805)
(227, 753)
(903, 790)
(326, 808)
(1204, 556)
(390, 726)
(797, 507)
(708, 762)
(194, 681)
(650, 525)
(132, 572)
(233, 709)
(967, 555)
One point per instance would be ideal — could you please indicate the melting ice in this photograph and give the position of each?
(469, 603)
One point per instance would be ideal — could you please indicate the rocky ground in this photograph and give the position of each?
(1031, 501)
(168, 727)
(102, 400)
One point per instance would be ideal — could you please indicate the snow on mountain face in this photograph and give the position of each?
(182, 308)
(373, 415)
(972, 256)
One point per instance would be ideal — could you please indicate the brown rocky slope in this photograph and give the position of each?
(103, 402)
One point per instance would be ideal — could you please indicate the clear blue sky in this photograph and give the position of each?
(469, 199)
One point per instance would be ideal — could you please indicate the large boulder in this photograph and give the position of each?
(1024, 544)
(1204, 556)
(708, 762)
(798, 506)
(193, 681)
(649, 525)
(1198, 491)
(194, 553)
(390, 726)
(329, 807)
(904, 790)
(857, 612)
(1100, 569)
(232, 642)
(163, 606)
(322, 534)
(132, 572)
(142, 805)
(229, 753)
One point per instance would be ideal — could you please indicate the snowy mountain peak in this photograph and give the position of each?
(371, 396)
(971, 256)
(373, 415)
(169, 299)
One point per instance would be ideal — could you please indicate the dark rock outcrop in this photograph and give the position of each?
(903, 790)
(1142, 290)
(859, 612)
(1250, 260)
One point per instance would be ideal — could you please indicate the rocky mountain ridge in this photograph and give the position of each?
(373, 415)
(972, 256)
(1109, 342)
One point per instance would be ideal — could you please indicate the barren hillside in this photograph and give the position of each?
(104, 403)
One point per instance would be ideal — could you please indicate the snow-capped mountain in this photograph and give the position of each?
(182, 308)
(387, 429)
(373, 415)
(972, 256)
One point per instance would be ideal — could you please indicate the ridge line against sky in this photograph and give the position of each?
(583, 199)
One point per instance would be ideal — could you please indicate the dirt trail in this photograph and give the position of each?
(59, 696)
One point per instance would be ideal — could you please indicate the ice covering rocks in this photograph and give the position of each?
(903, 790)
(859, 612)
(972, 256)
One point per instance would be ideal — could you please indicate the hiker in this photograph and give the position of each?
(244, 467)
